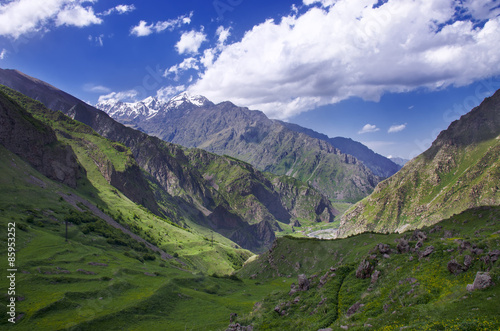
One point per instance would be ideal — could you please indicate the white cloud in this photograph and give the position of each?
(144, 29)
(368, 128)
(3, 54)
(397, 128)
(222, 34)
(96, 88)
(19, 17)
(344, 48)
(190, 42)
(129, 96)
(189, 63)
(76, 15)
(168, 92)
(120, 9)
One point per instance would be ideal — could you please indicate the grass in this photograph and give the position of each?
(411, 292)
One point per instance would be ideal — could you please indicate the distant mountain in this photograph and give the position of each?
(398, 160)
(226, 129)
(195, 189)
(459, 171)
(378, 164)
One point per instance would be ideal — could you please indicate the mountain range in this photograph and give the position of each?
(192, 187)
(117, 229)
(340, 168)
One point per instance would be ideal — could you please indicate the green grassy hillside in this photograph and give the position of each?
(413, 289)
(459, 171)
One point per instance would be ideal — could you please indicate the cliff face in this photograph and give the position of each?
(36, 143)
(459, 171)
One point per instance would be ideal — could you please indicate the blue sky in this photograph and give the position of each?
(388, 73)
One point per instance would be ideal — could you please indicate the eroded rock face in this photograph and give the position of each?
(37, 144)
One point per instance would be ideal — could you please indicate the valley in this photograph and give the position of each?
(162, 235)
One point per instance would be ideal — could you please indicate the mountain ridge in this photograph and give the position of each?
(249, 135)
(459, 171)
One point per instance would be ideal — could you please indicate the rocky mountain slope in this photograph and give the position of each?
(182, 190)
(226, 129)
(378, 164)
(459, 171)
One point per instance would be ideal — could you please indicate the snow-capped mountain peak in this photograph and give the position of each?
(149, 107)
(196, 100)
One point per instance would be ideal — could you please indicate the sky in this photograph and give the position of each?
(388, 73)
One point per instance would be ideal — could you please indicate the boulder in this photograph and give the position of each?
(364, 270)
(428, 251)
(482, 281)
(403, 246)
(454, 267)
(303, 283)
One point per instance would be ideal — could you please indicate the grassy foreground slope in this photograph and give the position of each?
(411, 289)
(91, 282)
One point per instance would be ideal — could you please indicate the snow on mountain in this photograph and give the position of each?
(149, 107)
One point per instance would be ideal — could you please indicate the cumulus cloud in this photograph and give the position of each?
(190, 42)
(129, 96)
(19, 17)
(338, 49)
(76, 15)
(368, 128)
(144, 29)
(397, 128)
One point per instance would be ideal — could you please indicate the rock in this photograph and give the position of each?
(303, 283)
(364, 270)
(344, 327)
(296, 300)
(465, 245)
(375, 276)
(428, 251)
(467, 261)
(448, 234)
(403, 246)
(454, 267)
(419, 235)
(353, 309)
(297, 266)
(383, 248)
(482, 281)
(494, 255)
(323, 279)
(327, 329)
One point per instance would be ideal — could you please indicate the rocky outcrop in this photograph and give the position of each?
(37, 144)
